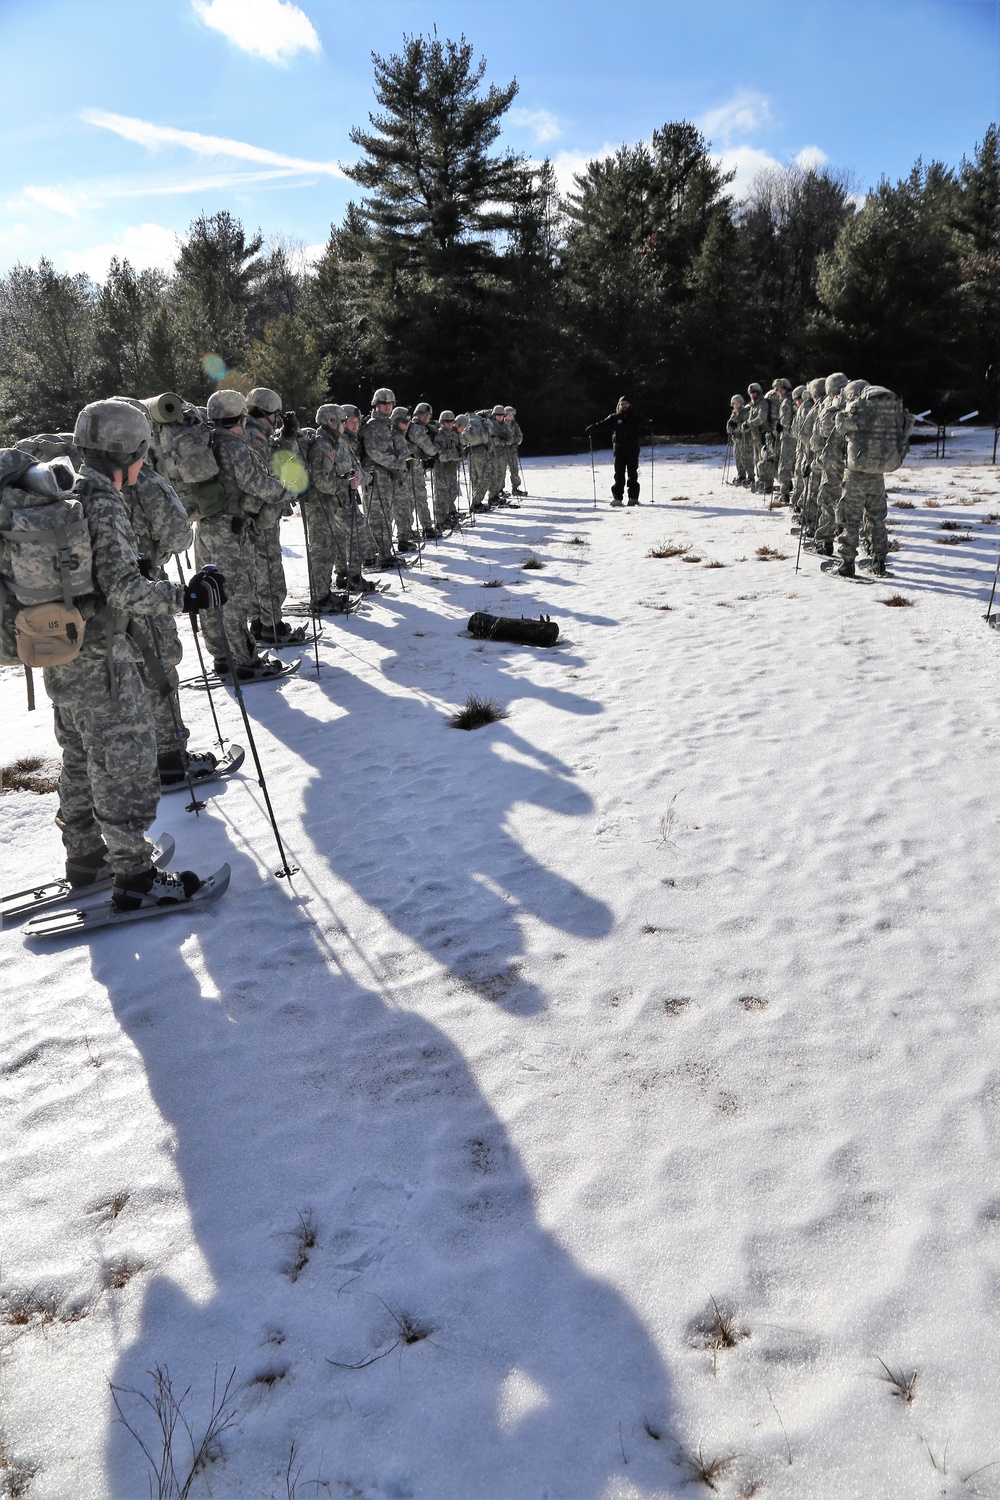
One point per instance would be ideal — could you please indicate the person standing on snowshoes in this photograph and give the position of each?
(448, 445)
(832, 462)
(162, 529)
(335, 539)
(626, 430)
(739, 436)
(264, 415)
(420, 437)
(513, 463)
(253, 500)
(109, 786)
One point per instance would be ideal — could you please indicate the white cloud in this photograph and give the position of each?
(145, 133)
(811, 157)
(543, 125)
(567, 163)
(746, 112)
(54, 199)
(746, 161)
(272, 29)
(144, 245)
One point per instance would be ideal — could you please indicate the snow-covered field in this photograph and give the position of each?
(613, 1085)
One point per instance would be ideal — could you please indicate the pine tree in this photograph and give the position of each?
(213, 290)
(125, 311)
(47, 355)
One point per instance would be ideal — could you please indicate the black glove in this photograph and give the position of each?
(429, 463)
(204, 590)
(290, 424)
(147, 567)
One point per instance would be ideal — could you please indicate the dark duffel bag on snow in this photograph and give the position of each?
(540, 632)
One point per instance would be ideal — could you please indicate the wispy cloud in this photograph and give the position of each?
(746, 112)
(144, 246)
(275, 30)
(811, 157)
(155, 137)
(56, 200)
(543, 125)
(746, 162)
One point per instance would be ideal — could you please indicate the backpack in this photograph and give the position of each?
(477, 434)
(877, 427)
(45, 560)
(182, 452)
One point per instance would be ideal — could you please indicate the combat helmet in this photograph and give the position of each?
(263, 399)
(112, 434)
(754, 388)
(446, 416)
(499, 411)
(463, 420)
(817, 388)
(399, 414)
(799, 392)
(853, 389)
(349, 410)
(736, 400)
(226, 406)
(781, 384)
(383, 397)
(329, 414)
(835, 383)
(510, 411)
(421, 407)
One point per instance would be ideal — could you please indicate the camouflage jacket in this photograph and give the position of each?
(479, 433)
(516, 431)
(385, 448)
(799, 421)
(420, 436)
(786, 415)
(352, 441)
(250, 488)
(260, 439)
(502, 435)
(448, 445)
(737, 419)
(158, 518)
(833, 445)
(759, 414)
(816, 438)
(330, 466)
(120, 589)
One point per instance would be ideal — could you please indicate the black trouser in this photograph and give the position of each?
(626, 460)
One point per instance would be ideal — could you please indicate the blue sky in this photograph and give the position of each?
(125, 119)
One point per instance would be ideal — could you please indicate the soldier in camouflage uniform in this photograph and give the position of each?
(832, 462)
(513, 443)
(260, 433)
(816, 441)
(109, 788)
(760, 427)
(787, 444)
(420, 436)
(863, 500)
(162, 529)
(501, 436)
(739, 436)
(336, 541)
(448, 444)
(388, 455)
(802, 427)
(254, 500)
(478, 440)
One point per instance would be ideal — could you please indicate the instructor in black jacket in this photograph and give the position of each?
(626, 426)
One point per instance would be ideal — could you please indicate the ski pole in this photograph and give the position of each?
(652, 461)
(593, 475)
(201, 662)
(992, 590)
(468, 493)
(171, 696)
(287, 870)
(309, 571)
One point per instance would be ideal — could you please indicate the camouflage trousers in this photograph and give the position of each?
(743, 455)
(801, 477)
(109, 787)
(480, 473)
(418, 482)
(863, 499)
(378, 513)
(401, 499)
(828, 498)
(272, 590)
(336, 542)
(496, 471)
(786, 464)
(810, 506)
(446, 491)
(764, 464)
(165, 640)
(232, 552)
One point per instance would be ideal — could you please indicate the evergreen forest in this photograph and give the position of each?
(461, 275)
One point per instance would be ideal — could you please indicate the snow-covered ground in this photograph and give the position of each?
(660, 1016)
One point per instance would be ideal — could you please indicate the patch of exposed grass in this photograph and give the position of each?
(492, 583)
(666, 549)
(752, 1002)
(304, 1239)
(29, 774)
(476, 713)
(107, 1211)
(932, 504)
(532, 565)
(683, 499)
(903, 505)
(691, 558)
(770, 554)
(952, 541)
(950, 525)
(578, 541)
(715, 565)
(117, 1273)
(898, 601)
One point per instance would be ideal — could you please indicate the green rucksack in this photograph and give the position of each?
(183, 453)
(46, 563)
(877, 427)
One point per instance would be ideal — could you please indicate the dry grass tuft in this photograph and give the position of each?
(15, 1475)
(719, 1330)
(578, 541)
(666, 549)
(532, 565)
(715, 565)
(932, 504)
(674, 1005)
(903, 1387)
(952, 541)
(107, 1211)
(707, 1470)
(117, 1273)
(492, 583)
(29, 774)
(476, 713)
(769, 554)
(752, 1002)
(898, 601)
(304, 1240)
(268, 1379)
(682, 499)
(27, 1308)
(950, 526)
(903, 505)
(691, 559)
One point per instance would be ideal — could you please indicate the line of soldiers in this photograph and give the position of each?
(791, 445)
(363, 494)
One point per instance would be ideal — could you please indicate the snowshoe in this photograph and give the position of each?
(153, 887)
(824, 547)
(259, 670)
(283, 634)
(362, 585)
(846, 569)
(175, 767)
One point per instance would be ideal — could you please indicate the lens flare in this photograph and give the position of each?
(214, 366)
(291, 471)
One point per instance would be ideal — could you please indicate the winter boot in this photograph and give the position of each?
(616, 504)
(175, 766)
(824, 546)
(362, 585)
(256, 629)
(83, 869)
(846, 569)
(878, 567)
(153, 888)
(283, 634)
